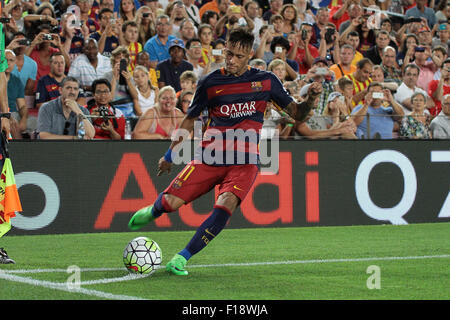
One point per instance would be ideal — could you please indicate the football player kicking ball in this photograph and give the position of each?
(236, 98)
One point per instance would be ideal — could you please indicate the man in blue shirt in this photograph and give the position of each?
(421, 11)
(381, 107)
(169, 71)
(158, 45)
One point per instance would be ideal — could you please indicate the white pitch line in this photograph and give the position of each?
(9, 274)
(65, 287)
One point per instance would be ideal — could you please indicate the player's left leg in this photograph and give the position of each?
(4, 259)
(226, 203)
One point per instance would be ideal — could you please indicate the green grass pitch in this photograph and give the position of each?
(358, 262)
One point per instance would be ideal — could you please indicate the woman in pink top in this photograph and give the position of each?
(160, 121)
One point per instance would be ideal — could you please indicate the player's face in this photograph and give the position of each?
(236, 59)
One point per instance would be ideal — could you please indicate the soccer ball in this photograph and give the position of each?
(142, 255)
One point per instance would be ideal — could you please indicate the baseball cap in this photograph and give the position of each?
(176, 43)
(333, 96)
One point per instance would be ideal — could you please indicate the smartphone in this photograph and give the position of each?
(123, 67)
(377, 95)
(216, 52)
(146, 15)
(321, 71)
(278, 49)
(329, 35)
(419, 49)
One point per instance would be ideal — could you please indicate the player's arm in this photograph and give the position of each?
(182, 133)
(299, 111)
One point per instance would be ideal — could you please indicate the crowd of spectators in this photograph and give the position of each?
(128, 69)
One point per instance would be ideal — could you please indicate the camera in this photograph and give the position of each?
(47, 37)
(377, 95)
(104, 113)
(278, 49)
(329, 35)
(146, 15)
(419, 49)
(304, 34)
(5, 20)
(24, 42)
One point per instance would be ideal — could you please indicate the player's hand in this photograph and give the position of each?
(164, 166)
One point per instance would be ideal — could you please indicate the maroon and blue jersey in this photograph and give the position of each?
(236, 107)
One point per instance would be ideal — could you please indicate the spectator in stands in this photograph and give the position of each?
(304, 15)
(438, 54)
(345, 87)
(129, 39)
(147, 93)
(437, 89)
(321, 24)
(280, 47)
(422, 11)
(262, 50)
(25, 67)
(381, 106)
(48, 87)
(275, 8)
(158, 46)
(427, 67)
(127, 10)
(366, 35)
(302, 51)
(193, 12)
(381, 42)
(377, 75)
(442, 36)
(73, 34)
(218, 55)
(214, 6)
(58, 119)
(278, 67)
(187, 30)
(85, 10)
(205, 35)
(188, 82)
(210, 17)
(162, 120)
(143, 60)
(344, 66)
(416, 125)
(258, 64)
(407, 49)
(353, 40)
(194, 54)
(319, 72)
(16, 99)
(124, 93)
(40, 50)
(361, 80)
(408, 87)
(107, 35)
(277, 23)
(388, 64)
(425, 37)
(110, 122)
(440, 126)
(169, 70)
(88, 66)
(252, 9)
(290, 16)
(145, 19)
(342, 15)
(184, 100)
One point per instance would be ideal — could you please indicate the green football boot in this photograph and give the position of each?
(141, 218)
(176, 265)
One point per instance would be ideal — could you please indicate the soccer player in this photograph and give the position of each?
(236, 98)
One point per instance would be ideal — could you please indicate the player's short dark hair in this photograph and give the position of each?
(104, 81)
(241, 37)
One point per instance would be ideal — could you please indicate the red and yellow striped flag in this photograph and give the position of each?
(9, 197)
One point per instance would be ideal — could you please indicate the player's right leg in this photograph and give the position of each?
(4, 259)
